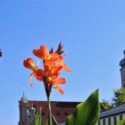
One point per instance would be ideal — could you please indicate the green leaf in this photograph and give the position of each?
(37, 119)
(87, 113)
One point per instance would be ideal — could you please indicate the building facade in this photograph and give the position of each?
(112, 116)
(26, 114)
(28, 109)
(122, 71)
(116, 114)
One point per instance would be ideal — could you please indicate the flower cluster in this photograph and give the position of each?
(53, 63)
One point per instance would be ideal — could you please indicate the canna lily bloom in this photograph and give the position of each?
(36, 71)
(53, 63)
(44, 54)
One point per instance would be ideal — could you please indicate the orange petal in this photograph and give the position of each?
(40, 72)
(44, 51)
(65, 67)
(41, 53)
(59, 89)
(28, 63)
(60, 81)
(39, 78)
(47, 65)
(53, 57)
(37, 53)
(56, 70)
(60, 60)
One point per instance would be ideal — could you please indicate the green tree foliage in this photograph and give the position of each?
(104, 105)
(119, 96)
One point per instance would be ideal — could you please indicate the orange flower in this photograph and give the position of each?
(53, 63)
(36, 71)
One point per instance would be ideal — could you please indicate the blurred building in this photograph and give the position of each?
(114, 115)
(1, 54)
(28, 109)
(122, 71)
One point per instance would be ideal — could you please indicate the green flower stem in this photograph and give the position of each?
(50, 113)
(48, 92)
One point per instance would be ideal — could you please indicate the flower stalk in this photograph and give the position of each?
(48, 93)
(50, 113)
(53, 63)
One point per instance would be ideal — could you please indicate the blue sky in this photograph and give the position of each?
(93, 35)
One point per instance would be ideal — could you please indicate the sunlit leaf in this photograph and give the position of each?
(87, 113)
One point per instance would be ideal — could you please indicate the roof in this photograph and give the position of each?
(24, 99)
(116, 110)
